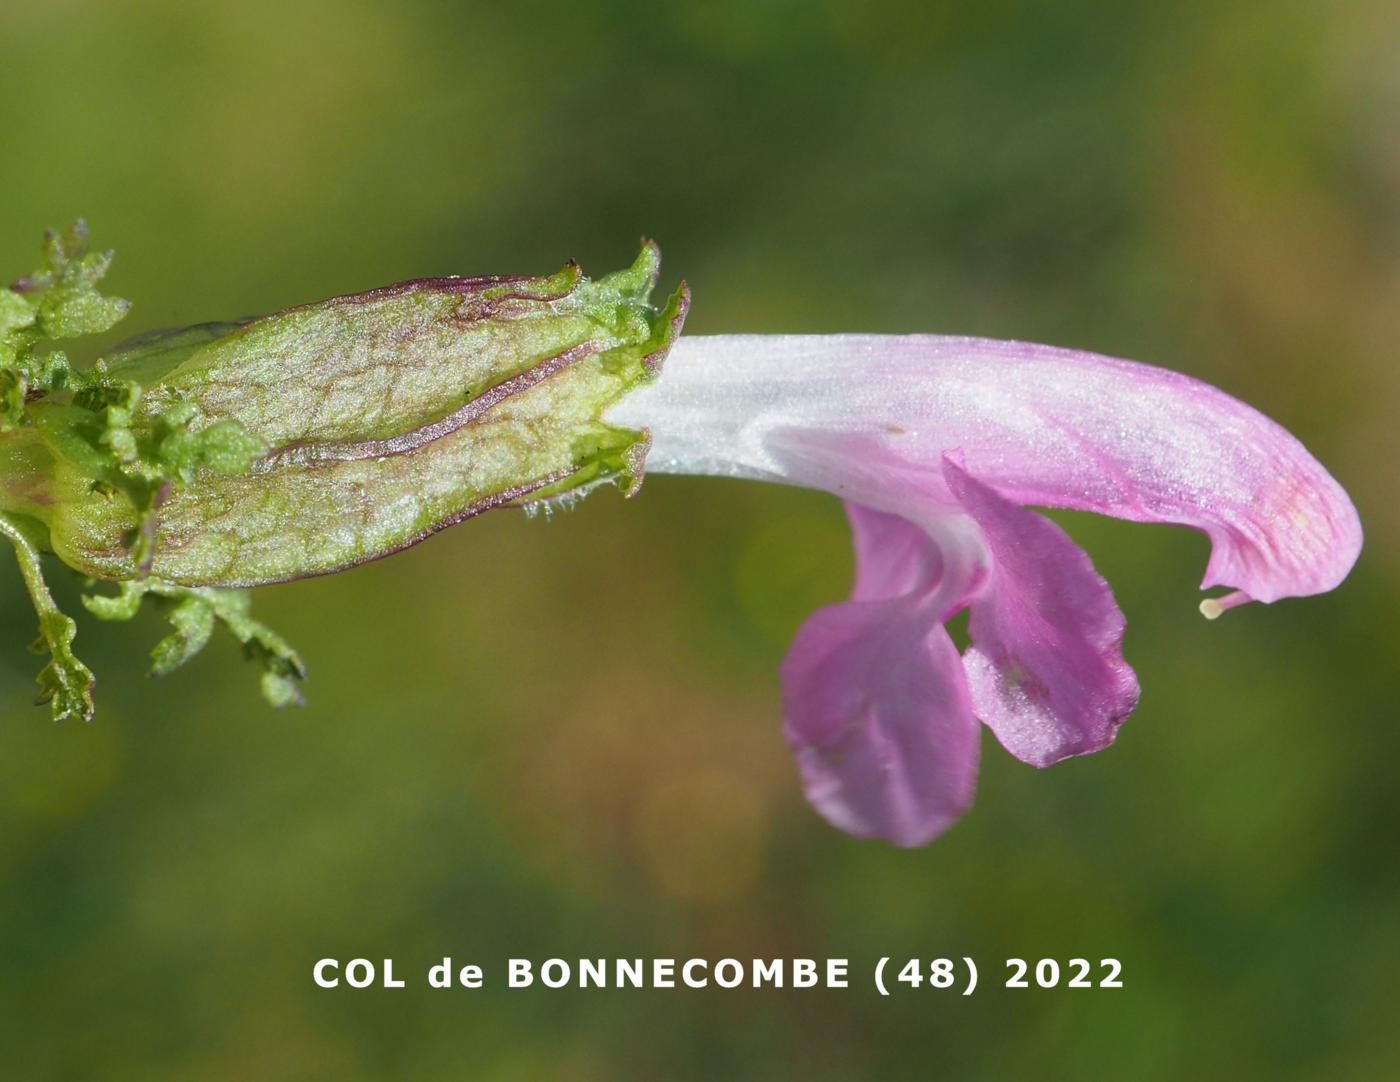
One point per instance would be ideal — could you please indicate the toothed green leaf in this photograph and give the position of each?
(193, 612)
(65, 682)
(58, 300)
(193, 621)
(69, 302)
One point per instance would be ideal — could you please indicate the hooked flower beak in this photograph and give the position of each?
(938, 445)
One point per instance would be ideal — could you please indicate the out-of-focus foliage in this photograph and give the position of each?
(577, 752)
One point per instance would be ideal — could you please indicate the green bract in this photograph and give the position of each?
(188, 464)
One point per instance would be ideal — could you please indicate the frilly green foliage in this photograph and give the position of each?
(186, 464)
(59, 300)
(193, 613)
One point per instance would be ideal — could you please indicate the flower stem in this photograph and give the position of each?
(65, 681)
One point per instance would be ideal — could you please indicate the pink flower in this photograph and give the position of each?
(938, 445)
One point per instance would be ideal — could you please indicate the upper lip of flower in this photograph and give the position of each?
(937, 445)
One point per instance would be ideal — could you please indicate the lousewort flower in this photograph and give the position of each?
(936, 445)
(188, 465)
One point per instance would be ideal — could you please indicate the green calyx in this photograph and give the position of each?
(190, 463)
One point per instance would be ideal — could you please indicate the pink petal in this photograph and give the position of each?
(894, 557)
(1046, 670)
(875, 701)
(876, 710)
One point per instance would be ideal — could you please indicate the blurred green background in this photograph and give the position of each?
(560, 737)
